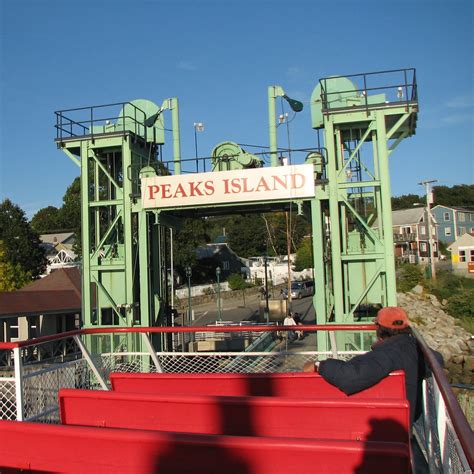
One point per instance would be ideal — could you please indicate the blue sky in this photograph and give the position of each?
(218, 58)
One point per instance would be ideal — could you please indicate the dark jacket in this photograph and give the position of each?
(363, 371)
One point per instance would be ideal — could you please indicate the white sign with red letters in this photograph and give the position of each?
(220, 187)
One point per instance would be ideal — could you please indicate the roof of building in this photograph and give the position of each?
(16, 303)
(455, 208)
(54, 239)
(59, 292)
(405, 216)
(464, 240)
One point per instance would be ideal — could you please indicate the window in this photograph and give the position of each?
(462, 255)
(446, 216)
(461, 216)
(423, 246)
(447, 231)
(422, 230)
(471, 255)
(405, 230)
(14, 329)
(225, 265)
(472, 217)
(462, 230)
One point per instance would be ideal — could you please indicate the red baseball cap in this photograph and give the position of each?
(392, 317)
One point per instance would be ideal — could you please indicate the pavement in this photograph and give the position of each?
(235, 310)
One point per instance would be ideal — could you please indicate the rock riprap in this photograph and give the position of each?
(441, 333)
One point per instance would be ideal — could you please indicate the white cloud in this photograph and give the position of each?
(458, 118)
(461, 102)
(186, 66)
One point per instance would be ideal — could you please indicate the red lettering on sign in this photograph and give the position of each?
(194, 188)
(262, 184)
(152, 190)
(209, 187)
(297, 183)
(179, 191)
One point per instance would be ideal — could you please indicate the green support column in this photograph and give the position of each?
(176, 140)
(334, 214)
(85, 219)
(272, 94)
(143, 254)
(385, 200)
(127, 229)
(319, 298)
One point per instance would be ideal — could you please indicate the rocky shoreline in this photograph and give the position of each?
(442, 333)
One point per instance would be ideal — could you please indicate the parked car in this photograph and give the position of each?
(299, 289)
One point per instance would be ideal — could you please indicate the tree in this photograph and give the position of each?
(237, 282)
(247, 235)
(192, 234)
(461, 195)
(406, 201)
(304, 255)
(21, 243)
(47, 220)
(70, 213)
(12, 276)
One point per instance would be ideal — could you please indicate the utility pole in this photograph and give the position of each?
(429, 200)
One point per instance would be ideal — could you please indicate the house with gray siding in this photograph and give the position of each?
(453, 222)
(411, 237)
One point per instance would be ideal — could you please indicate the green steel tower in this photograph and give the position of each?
(363, 117)
(132, 197)
(124, 276)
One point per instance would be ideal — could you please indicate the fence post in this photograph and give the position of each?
(18, 383)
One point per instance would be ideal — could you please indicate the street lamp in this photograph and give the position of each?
(429, 200)
(198, 127)
(218, 275)
(267, 312)
(188, 276)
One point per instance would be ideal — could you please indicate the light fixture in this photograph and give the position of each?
(400, 93)
(199, 126)
(295, 105)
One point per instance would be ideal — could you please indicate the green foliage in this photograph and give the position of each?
(408, 276)
(12, 276)
(461, 304)
(247, 235)
(47, 220)
(192, 234)
(70, 213)
(461, 195)
(21, 243)
(257, 234)
(304, 255)
(447, 284)
(237, 282)
(406, 201)
(65, 219)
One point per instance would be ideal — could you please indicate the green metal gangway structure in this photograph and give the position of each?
(136, 189)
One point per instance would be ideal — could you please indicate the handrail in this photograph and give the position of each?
(460, 423)
(185, 329)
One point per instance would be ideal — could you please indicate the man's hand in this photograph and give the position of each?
(310, 366)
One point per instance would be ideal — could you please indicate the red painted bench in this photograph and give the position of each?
(344, 419)
(70, 449)
(298, 385)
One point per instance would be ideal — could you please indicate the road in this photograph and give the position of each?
(234, 310)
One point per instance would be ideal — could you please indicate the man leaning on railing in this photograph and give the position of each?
(395, 349)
